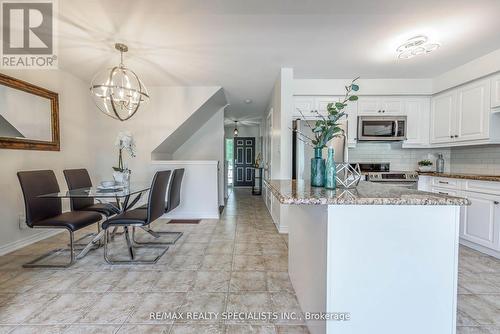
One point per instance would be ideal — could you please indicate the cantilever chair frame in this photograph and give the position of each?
(159, 234)
(131, 245)
(130, 241)
(34, 263)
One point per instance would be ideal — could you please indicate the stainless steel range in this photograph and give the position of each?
(381, 173)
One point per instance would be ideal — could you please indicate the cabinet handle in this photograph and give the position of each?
(456, 136)
(496, 202)
(444, 182)
(443, 193)
(451, 136)
(383, 110)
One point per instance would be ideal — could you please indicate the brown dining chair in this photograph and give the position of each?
(140, 218)
(173, 200)
(45, 212)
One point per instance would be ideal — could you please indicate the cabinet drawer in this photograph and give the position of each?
(485, 187)
(445, 183)
(445, 191)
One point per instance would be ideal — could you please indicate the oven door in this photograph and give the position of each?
(373, 128)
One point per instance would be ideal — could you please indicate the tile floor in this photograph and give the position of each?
(237, 263)
(478, 293)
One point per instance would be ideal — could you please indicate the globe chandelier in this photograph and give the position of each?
(118, 92)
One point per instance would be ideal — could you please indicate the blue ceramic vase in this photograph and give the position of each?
(330, 170)
(318, 168)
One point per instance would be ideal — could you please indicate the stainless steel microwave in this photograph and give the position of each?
(385, 128)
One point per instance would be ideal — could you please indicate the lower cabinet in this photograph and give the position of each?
(480, 222)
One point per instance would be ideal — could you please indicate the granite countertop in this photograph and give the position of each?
(464, 176)
(366, 193)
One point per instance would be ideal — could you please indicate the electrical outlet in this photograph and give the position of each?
(22, 222)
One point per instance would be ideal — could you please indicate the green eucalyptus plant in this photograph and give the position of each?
(328, 127)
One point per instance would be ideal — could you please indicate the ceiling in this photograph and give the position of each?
(241, 44)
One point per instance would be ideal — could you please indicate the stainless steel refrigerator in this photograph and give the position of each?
(302, 153)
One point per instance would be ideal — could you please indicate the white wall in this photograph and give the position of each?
(199, 189)
(281, 104)
(168, 108)
(475, 69)
(77, 144)
(275, 107)
(400, 159)
(207, 144)
(368, 86)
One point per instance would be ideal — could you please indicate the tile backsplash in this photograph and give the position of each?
(476, 159)
(399, 158)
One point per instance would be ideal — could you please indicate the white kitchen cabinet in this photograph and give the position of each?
(461, 115)
(303, 104)
(473, 111)
(480, 222)
(495, 91)
(368, 106)
(417, 111)
(379, 106)
(445, 191)
(392, 106)
(443, 108)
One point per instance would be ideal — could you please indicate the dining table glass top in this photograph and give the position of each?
(98, 192)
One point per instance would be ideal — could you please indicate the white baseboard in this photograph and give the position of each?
(13, 246)
(192, 215)
(283, 230)
(480, 248)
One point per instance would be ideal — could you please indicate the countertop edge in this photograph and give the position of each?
(464, 176)
(442, 201)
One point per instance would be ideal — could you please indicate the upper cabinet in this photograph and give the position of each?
(443, 108)
(417, 111)
(473, 111)
(495, 91)
(461, 114)
(379, 106)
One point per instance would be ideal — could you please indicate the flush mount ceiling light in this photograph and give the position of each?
(235, 131)
(416, 46)
(118, 92)
(248, 101)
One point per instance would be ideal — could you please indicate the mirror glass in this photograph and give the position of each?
(24, 115)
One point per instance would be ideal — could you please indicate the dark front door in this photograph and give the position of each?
(244, 157)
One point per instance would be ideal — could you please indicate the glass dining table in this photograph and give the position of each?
(124, 199)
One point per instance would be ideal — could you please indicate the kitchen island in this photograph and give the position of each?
(384, 257)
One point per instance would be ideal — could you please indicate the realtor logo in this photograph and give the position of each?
(28, 35)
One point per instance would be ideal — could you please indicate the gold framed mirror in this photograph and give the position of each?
(29, 116)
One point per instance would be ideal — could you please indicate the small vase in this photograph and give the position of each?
(330, 170)
(318, 168)
(122, 178)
